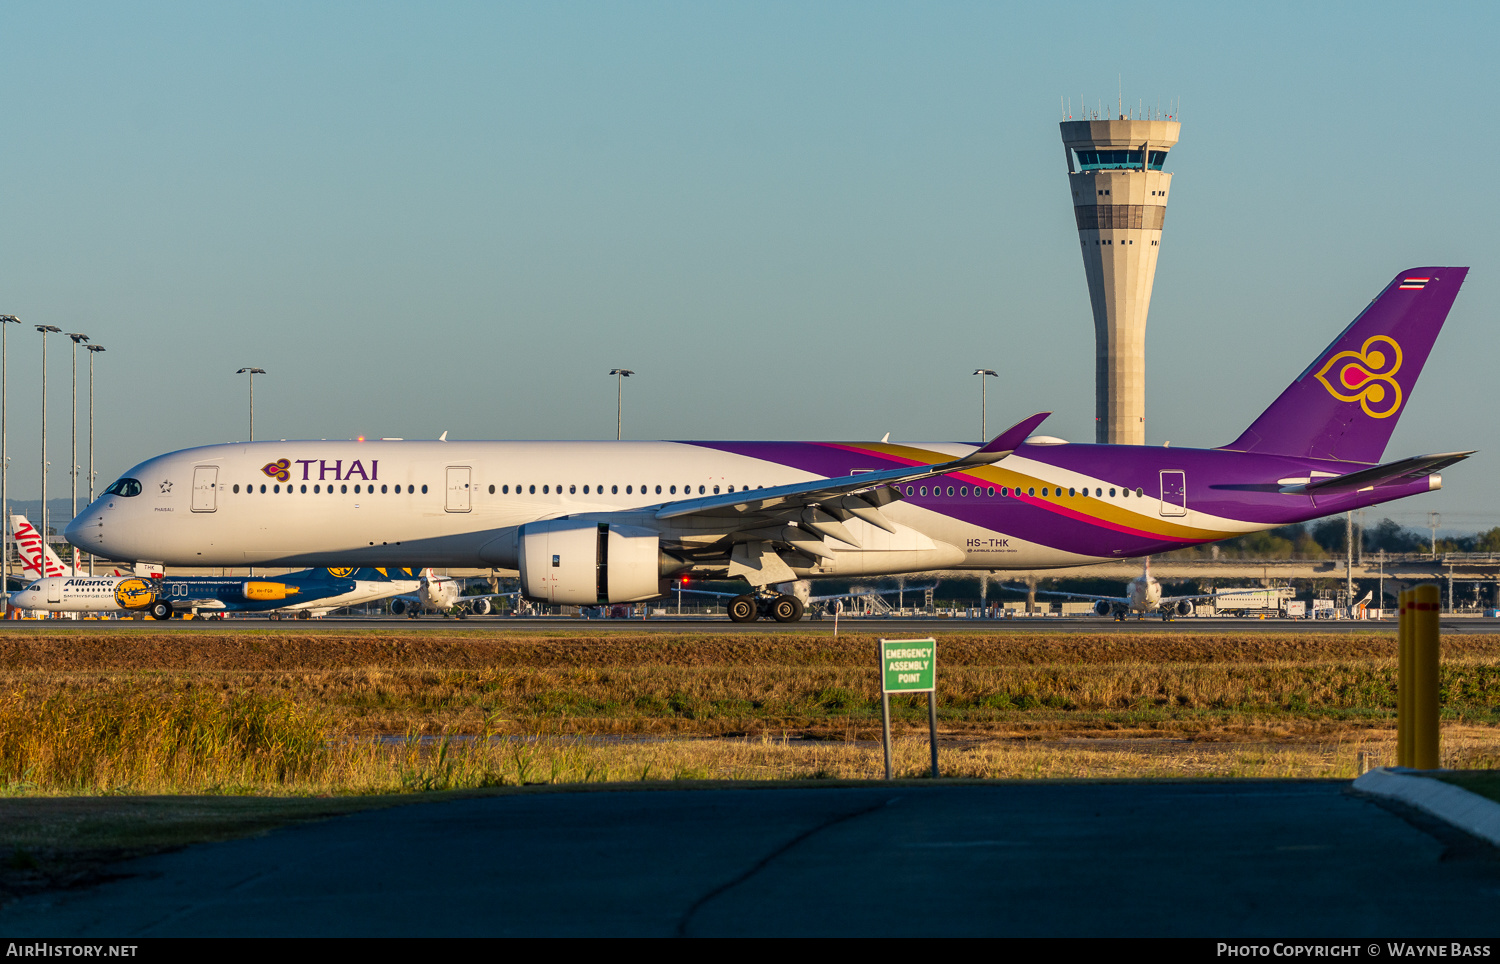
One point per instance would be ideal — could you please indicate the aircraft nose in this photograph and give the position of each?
(86, 531)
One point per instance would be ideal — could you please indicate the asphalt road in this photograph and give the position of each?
(1246, 858)
(721, 624)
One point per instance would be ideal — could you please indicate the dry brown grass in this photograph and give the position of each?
(274, 711)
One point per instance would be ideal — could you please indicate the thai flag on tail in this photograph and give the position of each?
(1414, 284)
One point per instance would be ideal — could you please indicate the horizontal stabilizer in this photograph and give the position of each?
(1391, 473)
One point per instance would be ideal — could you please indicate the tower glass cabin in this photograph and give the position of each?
(1120, 195)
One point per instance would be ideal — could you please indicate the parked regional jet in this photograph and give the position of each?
(591, 522)
(1142, 595)
(315, 591)
(440, 594)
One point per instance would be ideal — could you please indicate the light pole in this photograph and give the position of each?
(1434, 519)
(621, 374)
(73, 463)
(4, 459)
(44, 329)
(93, 350)
(252, 372)
(983, 373)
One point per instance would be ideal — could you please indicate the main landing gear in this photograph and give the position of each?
(750, 607)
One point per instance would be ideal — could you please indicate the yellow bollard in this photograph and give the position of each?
(1426, 607)
(1403, 679)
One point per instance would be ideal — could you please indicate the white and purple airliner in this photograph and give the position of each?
(604, 522)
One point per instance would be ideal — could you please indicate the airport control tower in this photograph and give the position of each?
(1120, 201)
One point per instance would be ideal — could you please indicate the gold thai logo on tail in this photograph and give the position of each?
(1366, 376)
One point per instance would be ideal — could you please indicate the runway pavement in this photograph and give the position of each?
(720, 624)
(1213, 859)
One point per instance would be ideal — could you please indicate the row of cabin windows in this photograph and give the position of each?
(615, 490)
(962, 491)
(1005, 492)
(504, 489)
(317, 489)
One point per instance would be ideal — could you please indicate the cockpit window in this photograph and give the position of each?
(125, 488)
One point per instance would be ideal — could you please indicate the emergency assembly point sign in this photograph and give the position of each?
(908, 665)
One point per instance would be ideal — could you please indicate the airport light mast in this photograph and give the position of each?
(4, 463)
(93, 350)
(73, 462)
(984, 373)
(44, 329)
(252, 372)
(1119, 204)
(622, 374)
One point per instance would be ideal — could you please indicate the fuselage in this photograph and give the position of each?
(113, 593)
(1144, 594)
(458, 504)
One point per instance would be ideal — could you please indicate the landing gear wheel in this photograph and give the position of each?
(743, 609)
(786, 609)
(160, 610)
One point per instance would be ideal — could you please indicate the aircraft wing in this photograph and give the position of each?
(870, 592)
(416, 597)
(1391, 473)
(836, 595)
(822, 505)
(1208, 595)
(1122, 600)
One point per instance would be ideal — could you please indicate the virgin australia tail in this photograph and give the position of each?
(1346, 403)
(37, 558)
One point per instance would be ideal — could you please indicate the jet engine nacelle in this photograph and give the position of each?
(580, 563)
(1184, 607)
(264, 591)
(480, 607)
(399, 607)
(1103, 608)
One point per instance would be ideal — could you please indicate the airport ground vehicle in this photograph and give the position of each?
(610, 522)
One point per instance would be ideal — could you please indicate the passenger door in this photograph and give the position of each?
(1173, 493)
(205, 485)
(458, 489)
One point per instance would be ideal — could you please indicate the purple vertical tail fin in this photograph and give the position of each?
(1346, 404)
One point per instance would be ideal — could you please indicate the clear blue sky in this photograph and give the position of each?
(792, 220)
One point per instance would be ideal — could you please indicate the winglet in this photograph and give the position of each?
(1006, 442)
